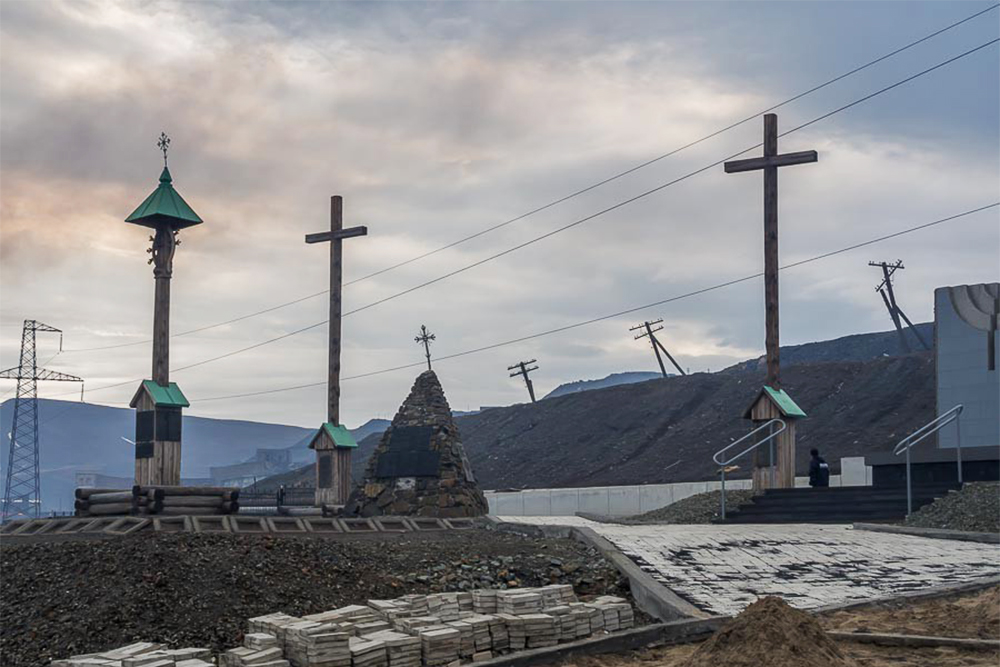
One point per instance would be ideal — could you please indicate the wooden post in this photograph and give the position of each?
(336, 287)
(164, 245)
(772, 344)
(769, 165)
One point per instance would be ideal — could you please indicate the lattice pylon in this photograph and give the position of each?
(22, 492)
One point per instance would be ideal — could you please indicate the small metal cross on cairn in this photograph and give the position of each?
(164, 145)
(426, 337)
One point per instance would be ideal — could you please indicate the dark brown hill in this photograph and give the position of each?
(666, 430)
(630, 434)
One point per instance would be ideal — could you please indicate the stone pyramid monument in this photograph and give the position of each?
(419, 468)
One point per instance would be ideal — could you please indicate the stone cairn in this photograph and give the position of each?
(419, 467)
(443, 629)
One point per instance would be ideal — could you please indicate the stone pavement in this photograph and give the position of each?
(721, 569)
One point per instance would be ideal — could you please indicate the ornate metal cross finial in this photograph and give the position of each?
(425, 338)
(164, 144)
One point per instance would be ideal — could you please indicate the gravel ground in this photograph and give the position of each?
(64, 598)
(976, 508)
(699, 508)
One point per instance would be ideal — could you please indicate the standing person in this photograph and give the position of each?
(281, 495)
(819, 471)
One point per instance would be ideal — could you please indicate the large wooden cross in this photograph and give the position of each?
(335, 237)
(769, 164)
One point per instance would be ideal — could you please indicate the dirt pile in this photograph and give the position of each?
(65, 598)
(974, 616)
(770, 633)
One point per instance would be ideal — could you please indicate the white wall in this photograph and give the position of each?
(629, 500)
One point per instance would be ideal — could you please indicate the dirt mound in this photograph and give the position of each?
(770, 633)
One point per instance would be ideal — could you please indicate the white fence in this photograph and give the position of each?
(629, 500)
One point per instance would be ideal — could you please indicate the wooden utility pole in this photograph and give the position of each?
(889, 299)
(333, 477)
(769, 164)
(523, 370)
(647, 330)
(425, 338)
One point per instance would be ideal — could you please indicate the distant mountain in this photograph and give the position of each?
(612, 380)
(75, 437)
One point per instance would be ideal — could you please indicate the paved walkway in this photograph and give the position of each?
(722, 569)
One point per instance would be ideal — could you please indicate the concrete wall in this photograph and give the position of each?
(965, 320)
(629, 500)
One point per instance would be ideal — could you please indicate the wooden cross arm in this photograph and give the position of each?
(785, 160)
(350, 232)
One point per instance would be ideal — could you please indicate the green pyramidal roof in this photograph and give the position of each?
(165, 206)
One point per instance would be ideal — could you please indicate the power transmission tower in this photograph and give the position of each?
(889, 298)
(647, 330)
(22, 495)
(426, 337)
(523, 370)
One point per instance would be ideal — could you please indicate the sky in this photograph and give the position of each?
(437, 120)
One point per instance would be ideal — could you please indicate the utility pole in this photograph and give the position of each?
(889, 299)
(426, 337)
(22, 494)
(333, 443)
(523, 370)
(647, 331)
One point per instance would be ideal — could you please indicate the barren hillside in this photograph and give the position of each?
(666, 430)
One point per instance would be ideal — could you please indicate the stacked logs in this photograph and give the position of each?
(103, 502)
(161, 500)
(186, 500)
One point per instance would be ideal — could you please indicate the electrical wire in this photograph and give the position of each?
(619, 313)
(570, 196)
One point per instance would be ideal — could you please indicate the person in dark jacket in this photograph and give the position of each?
(819, 471)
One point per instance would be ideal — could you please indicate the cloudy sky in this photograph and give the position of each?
(437, 120)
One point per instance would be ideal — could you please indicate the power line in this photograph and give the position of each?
(620, 313)
(578, 222)
(572, 195)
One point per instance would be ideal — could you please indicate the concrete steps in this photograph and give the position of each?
(834, 504)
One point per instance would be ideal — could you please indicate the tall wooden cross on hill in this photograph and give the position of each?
(773, 402)
(333, 442)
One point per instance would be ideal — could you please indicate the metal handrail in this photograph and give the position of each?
(768, 439)
(927, 430)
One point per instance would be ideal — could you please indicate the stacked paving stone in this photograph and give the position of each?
(437, 480)
(141, 654)
(402, 650)
(411, 631)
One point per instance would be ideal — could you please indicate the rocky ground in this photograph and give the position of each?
(976, 508)
(699, 508)
(72, 597)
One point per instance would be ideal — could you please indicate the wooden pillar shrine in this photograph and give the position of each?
(773, 402)
(158, 402)
(334, 443)
(779, 472)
